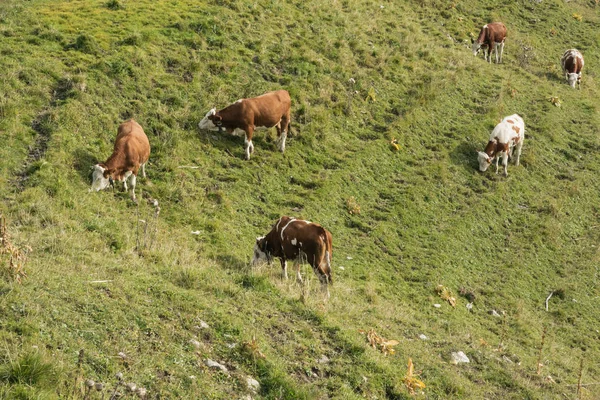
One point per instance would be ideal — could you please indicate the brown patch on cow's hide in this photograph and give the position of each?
(502, 147)
(516, 129)
(510, 121)
(490, 148)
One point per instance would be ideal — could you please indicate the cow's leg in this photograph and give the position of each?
(248, 146)
(132, 182)
(505, 162)
(284, 268)
(283, 131)
(501, 51)
(497, 159)
(144, 170)
(518, 156)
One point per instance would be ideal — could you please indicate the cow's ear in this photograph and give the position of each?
(217, 118)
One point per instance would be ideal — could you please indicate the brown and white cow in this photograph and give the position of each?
(245, 115)
(507, 135)
(301, 241)
(491, 36)
(131, 152)
(572, 64)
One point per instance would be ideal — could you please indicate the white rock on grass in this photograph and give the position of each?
(323, 360)
(422, 337)
(252, 384)
(437, 305)
(213, 364)
(458, 358)
(195, 343)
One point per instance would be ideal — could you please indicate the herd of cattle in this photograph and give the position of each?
(290, 238)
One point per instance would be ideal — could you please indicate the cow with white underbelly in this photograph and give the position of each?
(245, 115)
(301, 241)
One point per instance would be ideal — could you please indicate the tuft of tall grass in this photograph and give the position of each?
(29, 369)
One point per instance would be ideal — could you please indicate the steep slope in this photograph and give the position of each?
(73, 70)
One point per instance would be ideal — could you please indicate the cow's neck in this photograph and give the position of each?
(491, 148)
(116, 162)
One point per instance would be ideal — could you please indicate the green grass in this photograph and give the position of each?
(72, 71)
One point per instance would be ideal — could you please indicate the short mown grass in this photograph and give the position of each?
(360, 74)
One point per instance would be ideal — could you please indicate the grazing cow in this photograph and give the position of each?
(245, 115)
(131, 152)
(301, 241)
(572, 64)
(507, 135)
(491, 36)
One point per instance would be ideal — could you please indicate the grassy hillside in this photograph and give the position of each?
(105, 276)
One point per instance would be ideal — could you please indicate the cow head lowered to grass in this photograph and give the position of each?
(301, 241)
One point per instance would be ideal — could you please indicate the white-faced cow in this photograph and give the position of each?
(572, 64)
(301, 241)
(491, 36)
(245, 115)
(131, 152)
(507, 135)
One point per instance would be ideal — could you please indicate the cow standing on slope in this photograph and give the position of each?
(131, 151)
(245, 115)
(491, 36)
(301, 241)
(507, 135)
(572, 64)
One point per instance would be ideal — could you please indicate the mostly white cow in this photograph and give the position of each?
(507, 135)
(131, 152)
(245, 115)
(491, 36)
(301, 241)
(572, 64)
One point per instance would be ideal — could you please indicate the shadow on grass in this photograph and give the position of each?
(232, 263)
(465, 155)
(84, 161)
(265, 140)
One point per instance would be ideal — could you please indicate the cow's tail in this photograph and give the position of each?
(328, 261)
(327, 253)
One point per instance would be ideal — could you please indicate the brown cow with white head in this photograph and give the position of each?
(572, 64)
(301, 241)
(491, 36)
(131, 151)
(245, 115)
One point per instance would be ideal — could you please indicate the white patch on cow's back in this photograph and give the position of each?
(294, 241)
(283, 229)
(239, 101)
